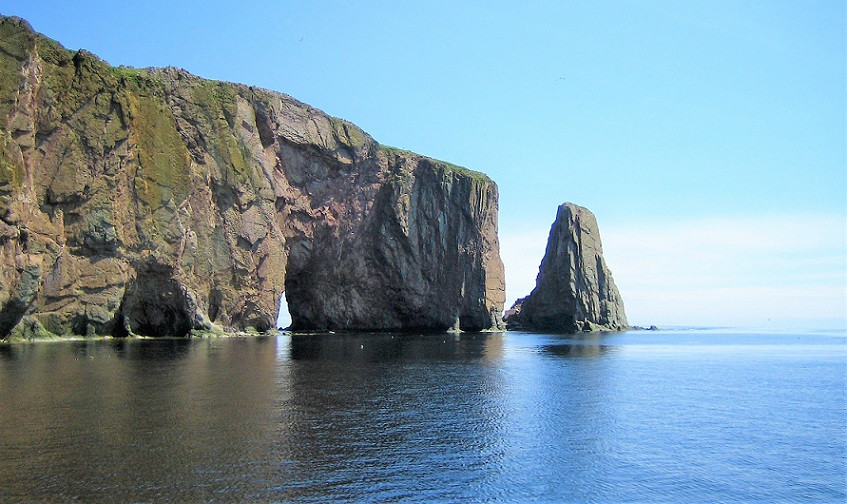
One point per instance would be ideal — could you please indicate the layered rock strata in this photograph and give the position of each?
(154, 202)
(574, 289)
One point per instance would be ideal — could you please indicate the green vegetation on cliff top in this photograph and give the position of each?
(217, 104)
(444, 165)
(354, 135)
(16, 42)
(162, 152)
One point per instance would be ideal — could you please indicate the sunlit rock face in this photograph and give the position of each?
(574, 289)
(155, 202)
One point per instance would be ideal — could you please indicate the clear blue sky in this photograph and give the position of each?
(707, 137)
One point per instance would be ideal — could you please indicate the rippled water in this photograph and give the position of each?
(669, 416)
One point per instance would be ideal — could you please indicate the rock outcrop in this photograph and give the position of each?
(154, 202)
(574, 289)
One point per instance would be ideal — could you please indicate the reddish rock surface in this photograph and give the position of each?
(154, 202)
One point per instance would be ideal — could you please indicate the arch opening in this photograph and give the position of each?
(283, 319)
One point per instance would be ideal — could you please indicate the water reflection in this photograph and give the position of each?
(299, 414)
(168, 349)
(382, 347)
(147, 417)
(556, 415)
(366, 409)
(581, 345)
(354, 417)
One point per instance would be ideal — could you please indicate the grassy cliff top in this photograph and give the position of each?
(447, 167)
(18, 40)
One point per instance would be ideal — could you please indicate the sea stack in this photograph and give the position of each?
(574, 290)
(154, 202)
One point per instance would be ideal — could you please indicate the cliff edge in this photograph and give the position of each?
(153, 202)
(574, 289)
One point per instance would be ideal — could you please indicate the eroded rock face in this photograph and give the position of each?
(574, 289)
(155, 202)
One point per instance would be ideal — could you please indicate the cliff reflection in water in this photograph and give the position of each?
(512, 417)
(146, 417)
(387, 347)
(369, 408)
(279, 418)
(581, 345)
(187, 418)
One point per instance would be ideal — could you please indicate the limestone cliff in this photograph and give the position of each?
(574, 289)
(154, 202)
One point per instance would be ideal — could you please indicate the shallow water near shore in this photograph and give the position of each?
(659, 416)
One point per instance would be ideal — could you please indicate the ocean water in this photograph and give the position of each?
(696, 415)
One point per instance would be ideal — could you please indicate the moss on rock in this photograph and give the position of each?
(163, 158)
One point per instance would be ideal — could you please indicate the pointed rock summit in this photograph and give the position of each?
(574, 290)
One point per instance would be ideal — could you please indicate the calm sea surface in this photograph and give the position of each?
(667, 416)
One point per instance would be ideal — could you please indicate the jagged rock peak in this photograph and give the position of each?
(155, 202)
(574, 289)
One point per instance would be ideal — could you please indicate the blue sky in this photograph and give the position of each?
(707, 137)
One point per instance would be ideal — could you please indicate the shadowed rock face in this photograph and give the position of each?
(574, 290)
(155, 202)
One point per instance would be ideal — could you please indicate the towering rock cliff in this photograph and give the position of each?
(574, 290)
(154, 202)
